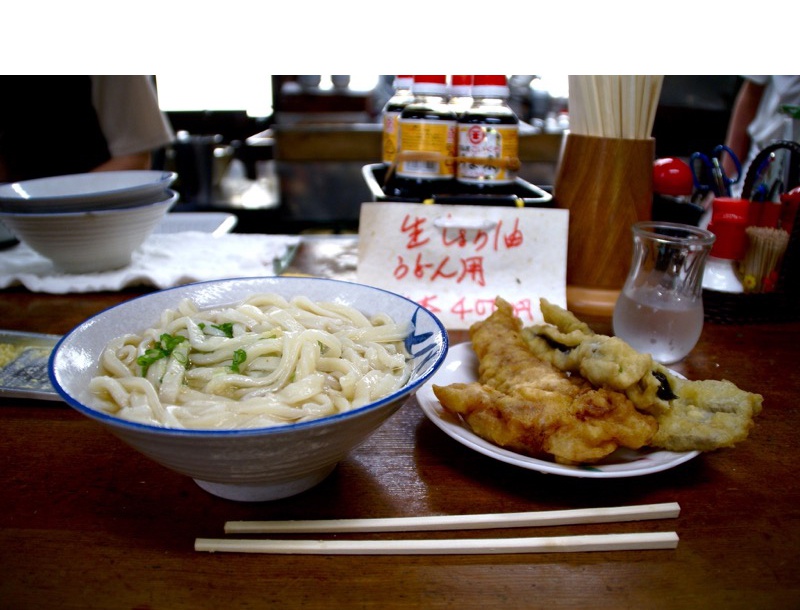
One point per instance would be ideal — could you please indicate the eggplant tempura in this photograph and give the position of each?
(692, 415)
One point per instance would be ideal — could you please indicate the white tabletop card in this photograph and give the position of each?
(456, 259)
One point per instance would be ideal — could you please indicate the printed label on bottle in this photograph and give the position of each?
(496, 142)
(428, 149)
(390, 131)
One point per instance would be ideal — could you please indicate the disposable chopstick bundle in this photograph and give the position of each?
(468, 546)
(668, 510)
(614, 106)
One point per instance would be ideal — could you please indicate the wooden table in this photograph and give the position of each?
(86, 522)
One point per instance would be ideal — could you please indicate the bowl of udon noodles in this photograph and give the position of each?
(256, 388)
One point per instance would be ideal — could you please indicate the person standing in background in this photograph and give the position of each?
(757, 120)
(56, 125)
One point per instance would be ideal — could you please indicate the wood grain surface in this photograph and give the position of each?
(87, 522)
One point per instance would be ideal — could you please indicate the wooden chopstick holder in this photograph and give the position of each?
(668, 510)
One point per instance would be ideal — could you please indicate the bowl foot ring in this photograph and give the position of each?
(265, 491)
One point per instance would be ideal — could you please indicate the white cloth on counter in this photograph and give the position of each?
(162, 261)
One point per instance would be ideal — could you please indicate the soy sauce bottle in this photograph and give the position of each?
(460, 99)
(401, 98)
(427, 143)
(488, 130)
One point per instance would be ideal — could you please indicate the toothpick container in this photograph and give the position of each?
(607, 186)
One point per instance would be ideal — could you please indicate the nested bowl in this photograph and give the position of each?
(248, 464)
(91, 240)
(87, 191)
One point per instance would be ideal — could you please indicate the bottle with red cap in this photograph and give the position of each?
(427, 143)
(488, 140)
(460, 93)
(401, 98)
(729, 222)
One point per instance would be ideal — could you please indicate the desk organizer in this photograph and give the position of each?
(782, 305)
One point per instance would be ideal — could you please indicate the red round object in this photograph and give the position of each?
(672, 176)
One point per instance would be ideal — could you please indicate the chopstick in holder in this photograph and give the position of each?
(642, 512)
(614, 106)
(467, 546)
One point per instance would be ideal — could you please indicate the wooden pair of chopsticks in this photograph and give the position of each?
(548, 544)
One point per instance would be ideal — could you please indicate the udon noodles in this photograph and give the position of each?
(264, 362)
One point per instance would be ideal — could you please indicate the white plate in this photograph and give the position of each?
(215, 223)
(461, 366)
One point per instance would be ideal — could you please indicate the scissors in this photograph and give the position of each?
(708, 173)
(772, 171)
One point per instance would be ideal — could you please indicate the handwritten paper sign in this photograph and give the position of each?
(456, 259)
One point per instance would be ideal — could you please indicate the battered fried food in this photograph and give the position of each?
(571, 346)
(705, 415)
(527, 405)
(692, 415)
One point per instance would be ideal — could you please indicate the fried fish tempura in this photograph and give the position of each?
(692, 415)
(527, 405)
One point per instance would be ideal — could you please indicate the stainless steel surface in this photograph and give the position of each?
(23, 365)
(334, 256)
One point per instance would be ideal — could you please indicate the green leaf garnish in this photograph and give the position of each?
(226, 328)
(163, 349)
(239, 356)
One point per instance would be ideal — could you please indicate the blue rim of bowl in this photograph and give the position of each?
(170, 197)
(165, 177)
(101, 416)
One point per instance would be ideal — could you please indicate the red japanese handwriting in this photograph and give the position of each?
(414, 228)
(496, 239)
(458, 269)
(469, 269)
(478, 239)
(465, 308)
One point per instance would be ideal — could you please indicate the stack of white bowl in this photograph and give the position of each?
(87, 222)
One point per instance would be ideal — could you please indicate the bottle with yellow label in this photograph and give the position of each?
(401, 98)
(488, 140)
(427, 143)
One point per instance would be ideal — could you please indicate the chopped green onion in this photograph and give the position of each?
(162, 349)
(239, 356)
(226, 328)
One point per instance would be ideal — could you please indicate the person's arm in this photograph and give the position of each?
(131, 120)
(124, 162)
(744, 110)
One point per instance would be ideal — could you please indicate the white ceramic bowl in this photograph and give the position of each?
(255, 464)
(85, 242)
(89, 191)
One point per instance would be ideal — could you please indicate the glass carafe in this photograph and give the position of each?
(660, 308)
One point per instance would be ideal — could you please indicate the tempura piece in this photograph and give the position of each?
(527, 405)
(692, 415)
(705, 415)
(571, 346)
